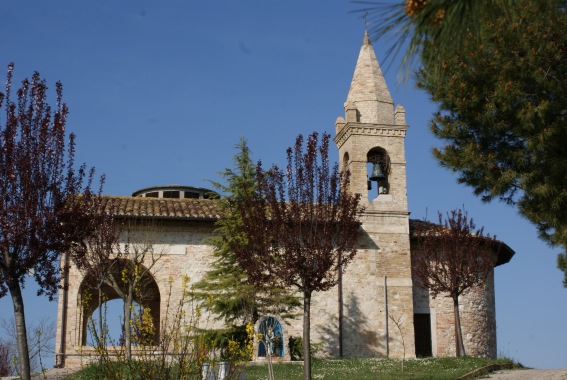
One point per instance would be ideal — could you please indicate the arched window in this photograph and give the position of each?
(345, 164)
(346, 161)
(271, 338)
(378, 171)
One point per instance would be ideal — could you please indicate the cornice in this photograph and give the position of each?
(369, 130)
(371, 212)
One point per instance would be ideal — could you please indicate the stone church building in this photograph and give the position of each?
(354, 318)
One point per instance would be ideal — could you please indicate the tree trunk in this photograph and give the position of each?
(268, 345)
(306, 335)
(21, 332)
(340, 302)
(101, 332)
(458, 333)
(127, 330)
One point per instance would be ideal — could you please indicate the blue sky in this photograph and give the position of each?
(160, 92)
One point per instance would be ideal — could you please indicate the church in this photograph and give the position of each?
(356, 317)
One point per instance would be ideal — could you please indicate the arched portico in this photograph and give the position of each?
(146, 296)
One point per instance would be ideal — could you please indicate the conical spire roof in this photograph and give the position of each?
(368, 90)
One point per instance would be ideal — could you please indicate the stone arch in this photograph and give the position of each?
(270, 324)
(378, 161)
(147, 297)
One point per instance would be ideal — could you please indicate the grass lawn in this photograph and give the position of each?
(362, 369)
(356, 369)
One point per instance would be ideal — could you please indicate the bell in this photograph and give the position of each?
(377, 174)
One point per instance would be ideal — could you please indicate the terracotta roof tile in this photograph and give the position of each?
(505, 253)
(207, 210)
(188, 209)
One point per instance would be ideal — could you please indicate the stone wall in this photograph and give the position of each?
(383, 252)
(478, 320)
(476, 308)
(183, 252)
(382, 262)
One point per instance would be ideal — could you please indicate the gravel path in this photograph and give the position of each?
(529, 374)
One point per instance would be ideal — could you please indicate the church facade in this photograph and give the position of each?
(356, 318)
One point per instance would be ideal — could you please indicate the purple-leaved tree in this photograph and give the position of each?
(300, 226)
(46, 203)
(453, 257)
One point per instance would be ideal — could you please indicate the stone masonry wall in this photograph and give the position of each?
(476, 308)
(383, 252)
(383, 259)
(185, 253)
(478, 320)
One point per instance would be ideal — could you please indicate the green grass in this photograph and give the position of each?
(355, 369)
(362, 369)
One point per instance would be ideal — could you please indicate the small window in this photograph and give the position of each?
(189, 194)
(171, 194)
(153, 194)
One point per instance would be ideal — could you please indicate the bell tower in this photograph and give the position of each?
(370, 139)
